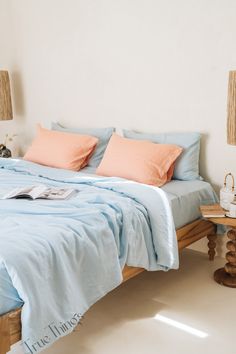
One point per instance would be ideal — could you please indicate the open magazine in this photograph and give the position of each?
(40, 191)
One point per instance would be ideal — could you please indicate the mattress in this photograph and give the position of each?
(184, 197)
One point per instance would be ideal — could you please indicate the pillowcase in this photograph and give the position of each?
(103, 134)
(141, 161)
(187, 165)
(61, 150)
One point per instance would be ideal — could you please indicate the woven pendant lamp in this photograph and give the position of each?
(5, 97)
(231, 118)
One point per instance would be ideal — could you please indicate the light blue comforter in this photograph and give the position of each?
(62, 256)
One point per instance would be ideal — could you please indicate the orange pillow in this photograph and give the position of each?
(139, 160)
(62, 150)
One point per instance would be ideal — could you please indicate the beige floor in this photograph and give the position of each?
(124, 321)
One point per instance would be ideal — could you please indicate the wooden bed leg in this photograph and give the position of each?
(211, 246)
(4, 335)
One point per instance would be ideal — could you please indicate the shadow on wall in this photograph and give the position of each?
(18, 95)
(18, 102)
(203, 162)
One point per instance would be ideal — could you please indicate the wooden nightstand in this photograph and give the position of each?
(227, 275)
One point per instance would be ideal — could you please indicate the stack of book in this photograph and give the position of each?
(212, 211)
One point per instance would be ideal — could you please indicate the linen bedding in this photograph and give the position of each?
(184, 198)
(60, 257)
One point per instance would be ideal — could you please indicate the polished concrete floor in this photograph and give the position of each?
(182, 311)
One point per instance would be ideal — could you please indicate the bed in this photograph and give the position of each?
(184, 198)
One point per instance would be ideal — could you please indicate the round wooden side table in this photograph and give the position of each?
(227, 275)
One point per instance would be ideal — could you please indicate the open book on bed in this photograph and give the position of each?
(40, 191)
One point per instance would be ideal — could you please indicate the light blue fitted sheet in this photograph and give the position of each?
(186, 197)
(138, 217)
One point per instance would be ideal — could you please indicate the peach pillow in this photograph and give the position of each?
(139, 160)
(62, 150)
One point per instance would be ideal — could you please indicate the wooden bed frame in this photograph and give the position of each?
(10, 323)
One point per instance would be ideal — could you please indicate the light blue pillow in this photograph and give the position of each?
(103, 134)
(187, 164)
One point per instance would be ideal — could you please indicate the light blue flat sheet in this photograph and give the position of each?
(62, 256)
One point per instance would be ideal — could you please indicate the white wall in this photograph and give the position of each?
(151, 65)
(9, 61)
